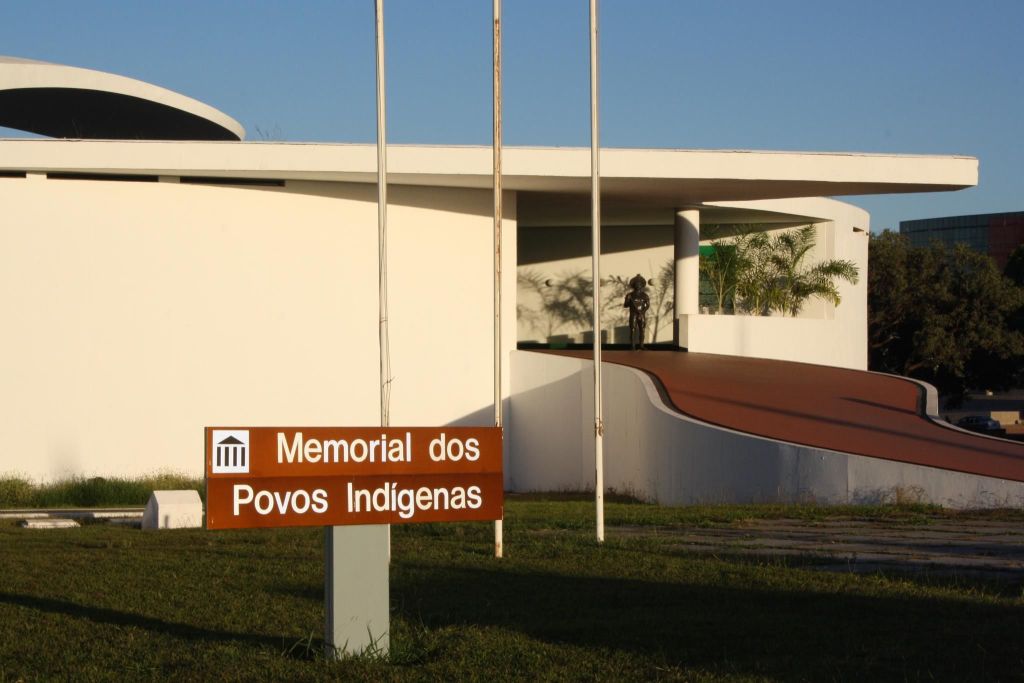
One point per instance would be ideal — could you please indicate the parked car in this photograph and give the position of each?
(981, 424)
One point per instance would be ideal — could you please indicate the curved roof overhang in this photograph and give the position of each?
(69, 102)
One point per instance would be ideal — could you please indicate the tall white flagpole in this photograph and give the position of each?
(382, 225)
(499, 549)
(595, 199)
(356, 558)
(384, 341)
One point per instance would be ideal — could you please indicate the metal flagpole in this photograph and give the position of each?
(382, 225)
(595, 199)
(496, 153)
(384, 342)
(356, 577)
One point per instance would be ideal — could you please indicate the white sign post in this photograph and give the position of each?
(357, 589)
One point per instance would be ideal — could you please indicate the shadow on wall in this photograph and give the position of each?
(546, 434)
(458, 200)
(539, 245)
(482, 417)
(557, 308)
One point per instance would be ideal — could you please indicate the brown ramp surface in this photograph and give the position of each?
(850, 411)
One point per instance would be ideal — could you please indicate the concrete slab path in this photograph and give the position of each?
(979, 548)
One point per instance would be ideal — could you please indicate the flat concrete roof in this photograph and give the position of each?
(70, 102)
(644, 177)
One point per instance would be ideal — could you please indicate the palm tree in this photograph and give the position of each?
(795, 282)
(756, 286)
(723, 268)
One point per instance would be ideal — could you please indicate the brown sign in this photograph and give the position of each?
(323, 476)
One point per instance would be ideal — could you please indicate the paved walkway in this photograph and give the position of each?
(843, 410)
(989, 549)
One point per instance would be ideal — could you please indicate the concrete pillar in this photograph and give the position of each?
(687, 259)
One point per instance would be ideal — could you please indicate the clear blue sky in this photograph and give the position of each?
(914, 76)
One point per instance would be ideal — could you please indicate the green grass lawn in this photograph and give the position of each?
(18, 492)
(110, 603)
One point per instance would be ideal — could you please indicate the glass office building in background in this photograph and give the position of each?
(995, 234)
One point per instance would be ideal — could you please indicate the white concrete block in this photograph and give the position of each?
(114, 514)
(173, 510)
(49, 523)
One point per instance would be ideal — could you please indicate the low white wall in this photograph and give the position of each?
(661, 456)
(804, 340)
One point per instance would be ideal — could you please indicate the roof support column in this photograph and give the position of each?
(687, 268)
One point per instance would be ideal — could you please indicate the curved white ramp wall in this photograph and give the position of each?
(661, 456)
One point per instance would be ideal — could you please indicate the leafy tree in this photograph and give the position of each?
(1015, 271)
(1015, 266)
(943, 316)
(897, 296)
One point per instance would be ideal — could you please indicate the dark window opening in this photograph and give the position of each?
(257, 182)
(111, 177)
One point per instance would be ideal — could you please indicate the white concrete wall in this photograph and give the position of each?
(660, 456)
(135, 314)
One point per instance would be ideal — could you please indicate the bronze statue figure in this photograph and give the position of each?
(637, 302)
